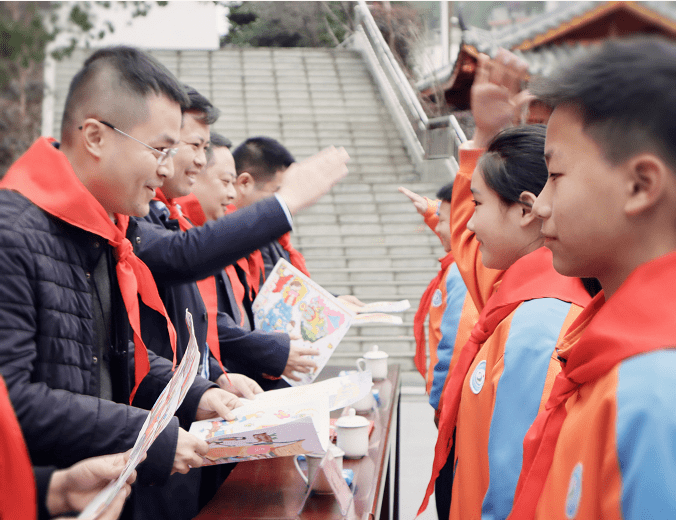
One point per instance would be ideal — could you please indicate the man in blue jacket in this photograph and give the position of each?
(261, 355)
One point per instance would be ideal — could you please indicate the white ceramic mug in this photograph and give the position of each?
(314, 460)
(365, 404)
(376, 361)
(352, 435)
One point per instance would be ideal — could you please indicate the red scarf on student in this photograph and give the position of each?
(45, 177)
(207, 287)
(18, 496)
(603, 335)
(297, 260)
(529, 278)
(420, 358)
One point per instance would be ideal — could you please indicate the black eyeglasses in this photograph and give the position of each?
(162, 158)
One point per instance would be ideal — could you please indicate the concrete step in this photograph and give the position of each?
(425, 262)
(373, 274)
(371, 240)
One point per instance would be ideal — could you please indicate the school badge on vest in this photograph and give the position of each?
(574, 492)
(437, 300)
(476, 382)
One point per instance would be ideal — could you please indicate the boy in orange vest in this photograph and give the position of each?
(603, 447)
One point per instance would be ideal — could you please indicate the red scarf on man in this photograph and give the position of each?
(193, 209)
(18, 496)
(295, 257)
(45, 177)
(207, 287)
(636, 319)
(529, 278)
(420, 358)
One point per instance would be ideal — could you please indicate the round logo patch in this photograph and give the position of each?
(476, 382)
(436, 298)
(574, 492)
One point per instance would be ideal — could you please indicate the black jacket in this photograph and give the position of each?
(47, 353)
(272, 253)
(248, 352)
(177, 259)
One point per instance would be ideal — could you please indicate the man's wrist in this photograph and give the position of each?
(288, 211)
(57, 500)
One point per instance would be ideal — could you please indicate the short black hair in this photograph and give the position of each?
(135, 72)
(216, 140)
(262, 157)
(199, 103)
(626, 92)
(445, 193)
(514, 162)
(220, 141)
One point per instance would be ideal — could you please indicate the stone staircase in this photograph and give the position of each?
(364, 238)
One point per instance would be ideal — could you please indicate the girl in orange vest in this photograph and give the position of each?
(497, 386)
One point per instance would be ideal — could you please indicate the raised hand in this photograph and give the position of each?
(418, 201)
(306, 181)
(497, 98)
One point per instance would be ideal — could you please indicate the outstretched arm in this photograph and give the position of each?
(497, 101)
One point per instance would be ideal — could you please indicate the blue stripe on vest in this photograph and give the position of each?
(455, 298)
(646, 435)
(533, 333)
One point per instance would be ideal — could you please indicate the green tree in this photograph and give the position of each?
(288, 24)
(28, 31)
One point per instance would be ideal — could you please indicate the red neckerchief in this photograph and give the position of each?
(206, 287)
(603, 335)
(529, 278)
(17, 482)
(192, 208)
(295, 257)
(256, 270)
(422, 312)
(45, 177)
(253, 268)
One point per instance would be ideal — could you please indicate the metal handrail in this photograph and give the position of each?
(398, 92)
(386, 57)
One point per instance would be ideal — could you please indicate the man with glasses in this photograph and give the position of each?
(71, 351)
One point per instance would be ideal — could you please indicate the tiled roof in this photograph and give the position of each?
(542, 59)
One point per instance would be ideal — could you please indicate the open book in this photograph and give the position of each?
(291, 302)
(281, 423)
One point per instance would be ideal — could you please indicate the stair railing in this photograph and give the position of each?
(425, 139)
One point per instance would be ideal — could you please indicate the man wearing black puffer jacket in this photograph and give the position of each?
(71, 286)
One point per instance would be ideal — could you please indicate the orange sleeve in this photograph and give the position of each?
(478, 279)
(431, 214)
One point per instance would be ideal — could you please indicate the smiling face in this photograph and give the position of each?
(128, 171)
(191, 156)
(498, 227)
(581, 205)
(215, 185)
(443, 229)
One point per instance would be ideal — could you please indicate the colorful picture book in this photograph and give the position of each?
(159, 417)
(291, 302)
(281, 423)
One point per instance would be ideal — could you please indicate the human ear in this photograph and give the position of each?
(647, 178)
(94, 139)
(527, 199)
(245, 182)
